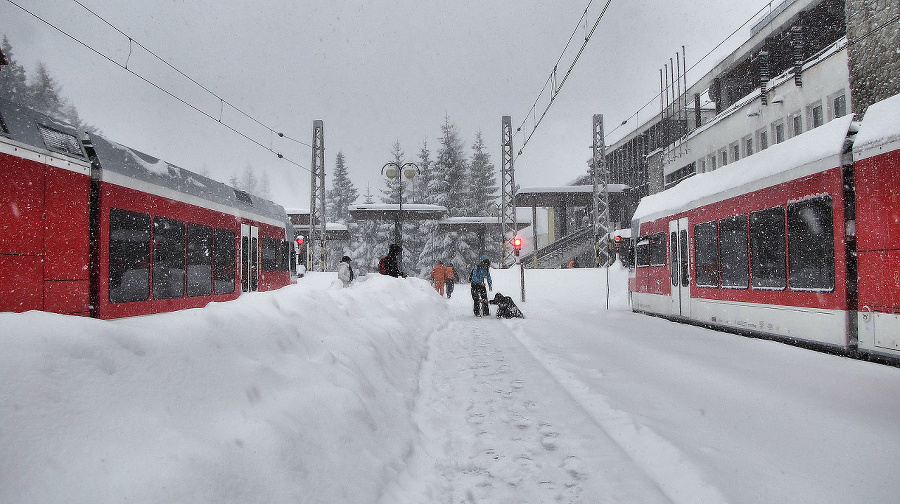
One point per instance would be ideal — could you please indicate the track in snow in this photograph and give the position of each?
(498, 427)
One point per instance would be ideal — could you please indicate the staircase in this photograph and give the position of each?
(578, 244)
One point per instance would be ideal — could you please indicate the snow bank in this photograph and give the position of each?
(298, 395)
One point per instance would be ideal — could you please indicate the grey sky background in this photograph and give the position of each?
(375, 72)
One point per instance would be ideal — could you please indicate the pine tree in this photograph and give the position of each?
(13, 82)
(452, 193)
(44, 93)
(342, 193)
(365, 249)
(337, 202)
(426, 188)
(483, 193)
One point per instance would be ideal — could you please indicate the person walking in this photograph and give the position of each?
(449, 278)
(345, 271)
(438, 276)
(481, 273)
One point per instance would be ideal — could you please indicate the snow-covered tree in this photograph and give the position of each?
(483, 190)
(13, 81)
(365, 249)
(452, 192)
(342, 193)
(337, 200)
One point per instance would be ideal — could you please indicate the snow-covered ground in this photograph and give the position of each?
(387, 393)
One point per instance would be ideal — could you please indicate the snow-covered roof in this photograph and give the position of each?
(410, 211)
(814, 151)
(571, 189)
(880, 129)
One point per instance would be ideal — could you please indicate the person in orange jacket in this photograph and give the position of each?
(449, 278)
(438, 277)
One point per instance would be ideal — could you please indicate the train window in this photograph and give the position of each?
(283, 256)
(59, 141)
(706, 254)
(168, 258)
(269, 254)
(642, 252)
(129, 256)
(199, 260)
(767, 249)
(658, 249)
(734, 253)
(223, 261)
(811, 244)
(3, 129)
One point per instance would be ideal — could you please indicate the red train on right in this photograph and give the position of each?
(799, 242)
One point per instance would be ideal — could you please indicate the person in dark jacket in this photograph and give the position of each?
(506, 308)
(480, 274)
(392, 261)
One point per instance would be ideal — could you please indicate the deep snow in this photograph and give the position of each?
(385, 392)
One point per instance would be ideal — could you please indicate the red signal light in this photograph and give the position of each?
(617, 239)
(517, 242)
(300, 240)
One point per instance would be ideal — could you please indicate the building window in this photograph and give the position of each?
(735, 256)
(702, 164)
(735, 151)
(796, 124)
(712, 162)
(767, 249)
(723, 157)
(815, 116)
(706, 254)
(748, 146)
(778, 132)
(762, 137)
(837, 105)
(811, 244)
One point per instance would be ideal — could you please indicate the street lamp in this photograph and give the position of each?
(394, 170)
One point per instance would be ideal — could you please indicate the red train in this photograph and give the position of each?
(799, 242)
(90, 227)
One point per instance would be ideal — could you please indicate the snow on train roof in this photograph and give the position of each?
(29, 127)
(811, 152)
(130, 168)
(880, 129)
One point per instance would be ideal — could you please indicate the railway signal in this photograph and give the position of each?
(517, 245)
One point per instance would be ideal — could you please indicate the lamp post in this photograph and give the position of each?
(392, 171)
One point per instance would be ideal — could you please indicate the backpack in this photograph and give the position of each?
(382, 266)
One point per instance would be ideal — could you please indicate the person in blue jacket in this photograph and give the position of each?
(480, 273)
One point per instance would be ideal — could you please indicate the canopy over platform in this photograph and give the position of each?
(392, 211)
(546, 197)
(299, 218)
(480, 224)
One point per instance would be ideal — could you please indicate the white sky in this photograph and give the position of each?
(374, 72)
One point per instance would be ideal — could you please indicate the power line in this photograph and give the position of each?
(707, 55)
(222, 101)
(552, 78)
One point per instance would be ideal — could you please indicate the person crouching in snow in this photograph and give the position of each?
(506, 308)
(345, 272)
(438, 275)
(480, 273)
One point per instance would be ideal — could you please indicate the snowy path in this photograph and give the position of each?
(504, 430)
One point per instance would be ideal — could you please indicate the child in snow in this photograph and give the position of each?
(506, 308)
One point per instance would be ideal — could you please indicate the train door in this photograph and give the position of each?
(249, 258)
(680, 267)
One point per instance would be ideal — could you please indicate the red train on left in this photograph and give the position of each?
(90, 227)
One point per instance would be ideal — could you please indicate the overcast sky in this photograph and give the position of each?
(375, 72)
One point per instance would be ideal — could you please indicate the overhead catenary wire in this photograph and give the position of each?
(171, 94)
(532, 112)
